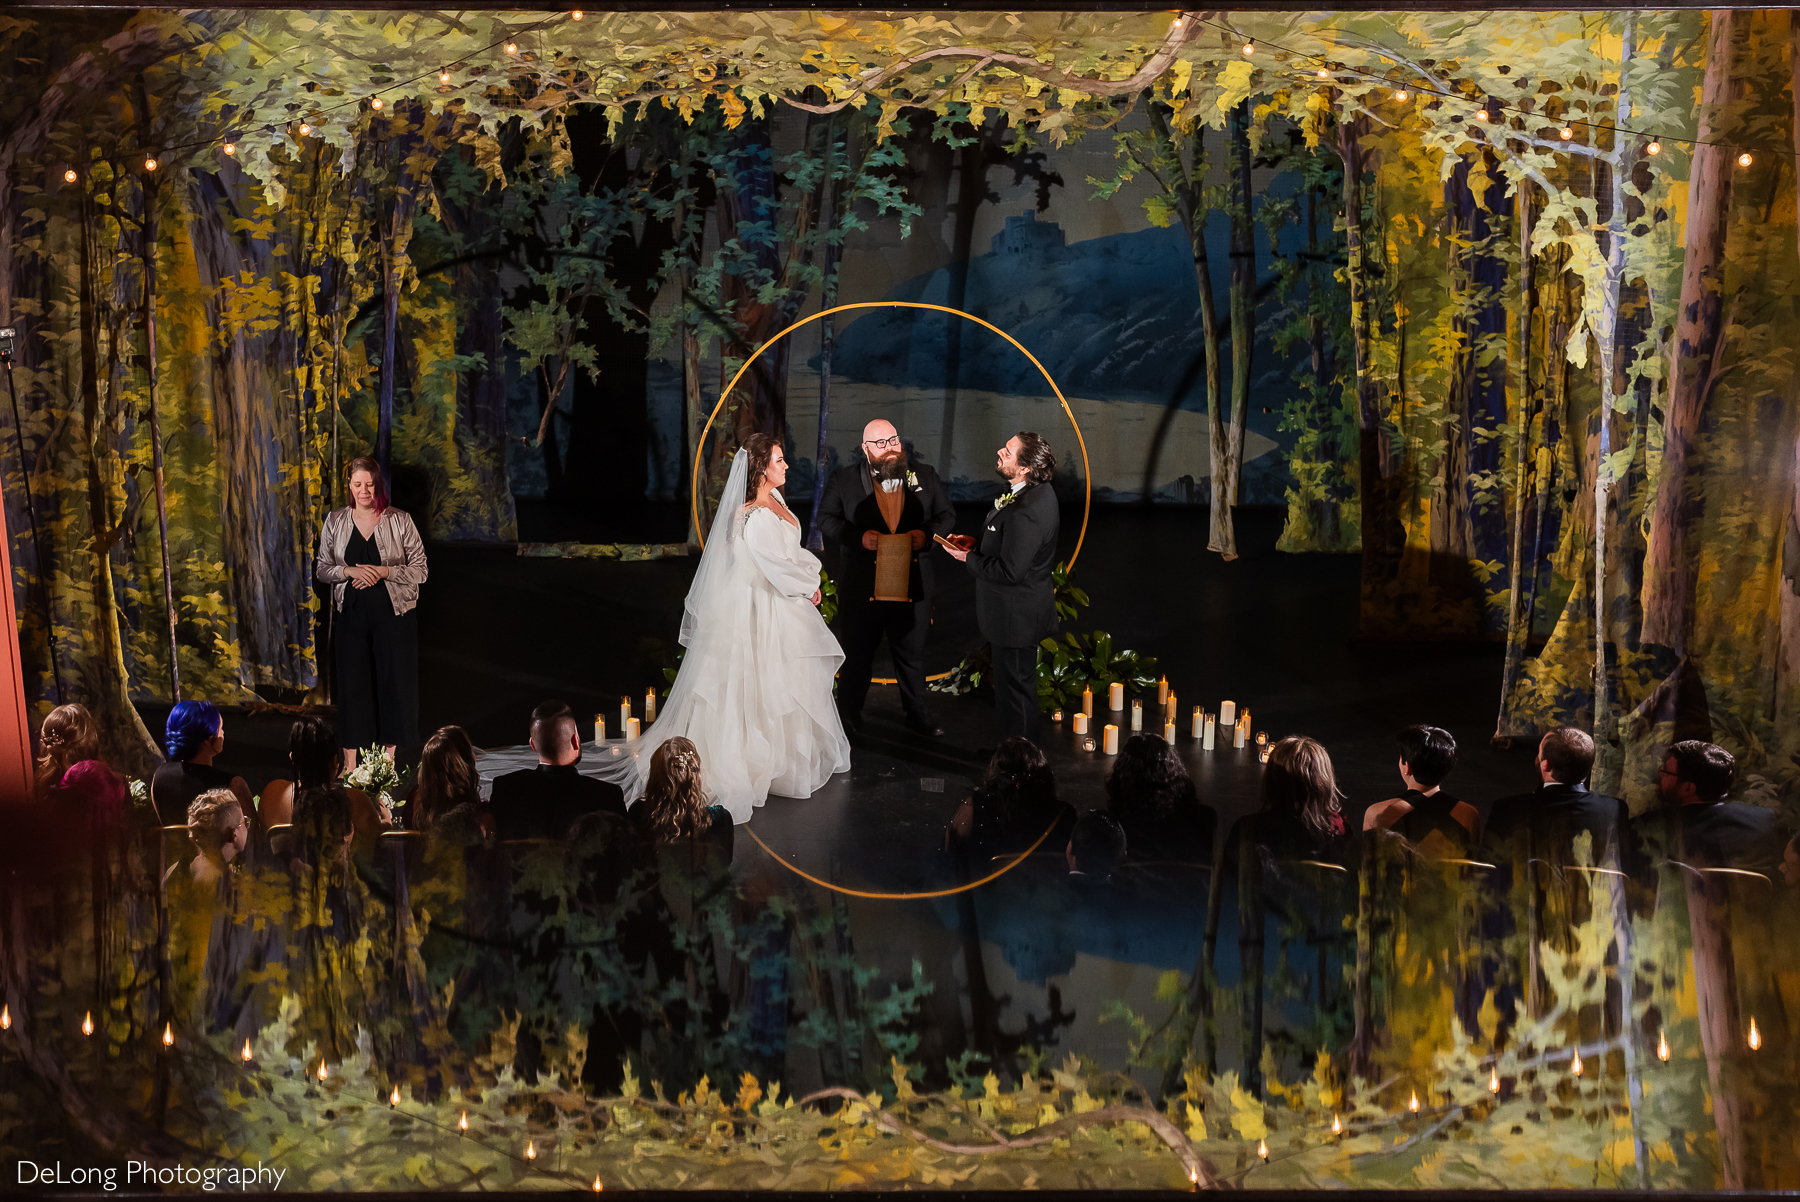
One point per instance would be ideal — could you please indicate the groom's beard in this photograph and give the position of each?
(891, 466)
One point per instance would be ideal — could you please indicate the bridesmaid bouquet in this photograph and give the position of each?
(376, 775)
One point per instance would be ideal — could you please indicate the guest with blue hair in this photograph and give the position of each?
(193, 737)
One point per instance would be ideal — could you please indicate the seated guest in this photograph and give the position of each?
(1543, 825)
(542, 802)
(1151, 797)
(318, 763)
(1300, 815)
(193, 736)
(673, 808)
(219, 830)
(1697, 826)
(70, 772)
(1434, 822)
(446, 796)
(1013, 806)
(1096, 845)
(324, 827)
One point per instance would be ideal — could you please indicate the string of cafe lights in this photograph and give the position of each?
(1486, 110)
(227, 141)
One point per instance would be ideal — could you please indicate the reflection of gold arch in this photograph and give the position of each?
(1087, 484)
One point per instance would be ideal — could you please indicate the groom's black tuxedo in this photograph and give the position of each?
(848, 509)
(1015, 601)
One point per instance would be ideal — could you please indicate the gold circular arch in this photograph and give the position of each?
(1087, 482)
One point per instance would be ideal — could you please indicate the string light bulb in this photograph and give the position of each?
(1324, 73)
(1337, 1125)
(1400, 95)
(1755, 1036)
(87, 1023)
(1414, 1104)
(375, 103)
(168, 1035)
(69, 176)
(443, 77)
(1662, 1046)
(305, 129)
(1744, 160)
(530, 1150)
(1250, 46)
(1481, 114)
(246, 1053)
(321, 1068)
(1193, 1176)
(1493, 1080)
(1262, 1148)
(230, 148)
(1566, 132)
(1575, 1064)
(462, 1124)
(576, 15)
(149, 164)
(512, 47)
(1653, 148)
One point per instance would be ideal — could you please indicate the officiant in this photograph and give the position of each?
(885, 495)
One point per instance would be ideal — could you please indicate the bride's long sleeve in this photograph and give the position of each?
(766, 541)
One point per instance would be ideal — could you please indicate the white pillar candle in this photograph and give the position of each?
(599, 729)
(631, 728)
(1081, 724)
(1227, 713)
(1115, 696)
(1170, 709)
(1137, 715)
(624, 711)
(1169, 733)
(1199, 722)
(1162, 691)
(1087, 701)
(650, 706)
(1238, 737)
(1206, 740)
(1111, 746)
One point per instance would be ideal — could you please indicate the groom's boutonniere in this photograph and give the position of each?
(912, 481)
(1005, 499)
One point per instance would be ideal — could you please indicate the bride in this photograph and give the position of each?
(754, 693)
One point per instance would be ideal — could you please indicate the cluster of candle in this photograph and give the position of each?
(1205, 727)
(629, 727)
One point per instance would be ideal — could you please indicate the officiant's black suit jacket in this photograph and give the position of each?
(849, 508)
(1015, 602)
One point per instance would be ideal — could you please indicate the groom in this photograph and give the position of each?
(884, 494)
(1015, 602)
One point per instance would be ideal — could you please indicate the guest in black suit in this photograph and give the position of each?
(885, 494)
(1697, 826)
(543, 802)
(1543, 825)
(1015, 602)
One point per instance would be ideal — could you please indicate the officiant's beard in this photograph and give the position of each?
(891, 466)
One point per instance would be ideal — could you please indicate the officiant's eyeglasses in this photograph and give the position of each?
(882, 444)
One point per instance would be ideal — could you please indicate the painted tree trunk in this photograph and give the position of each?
(815, 539)
(1228, 450)
(1520, 595)
(156, 442)
(1671, 571)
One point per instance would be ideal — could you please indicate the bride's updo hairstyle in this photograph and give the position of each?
(761, 448)
(673, 792)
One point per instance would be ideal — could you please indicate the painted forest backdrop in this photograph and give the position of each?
(1516, 289)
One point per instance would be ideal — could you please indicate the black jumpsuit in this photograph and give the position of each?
(377, 661)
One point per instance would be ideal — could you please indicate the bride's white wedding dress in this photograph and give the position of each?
(755, 688)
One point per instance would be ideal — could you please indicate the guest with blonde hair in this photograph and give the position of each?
(70, 770)
(219, 831)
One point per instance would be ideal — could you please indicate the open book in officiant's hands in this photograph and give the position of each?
(962, 542)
